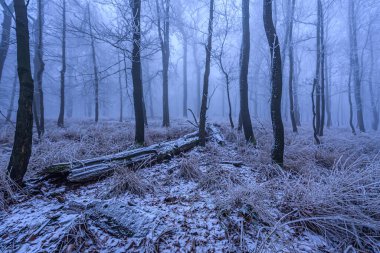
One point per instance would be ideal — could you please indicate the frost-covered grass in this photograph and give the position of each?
(332, 189)
(86, 139)
(216, 198)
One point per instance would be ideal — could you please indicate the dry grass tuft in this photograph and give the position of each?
(7, 191)
(79, 238)
(342, 204)
(218, 178)
(189, 169)
(126, 180)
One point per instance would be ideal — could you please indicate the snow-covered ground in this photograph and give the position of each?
(226, 198)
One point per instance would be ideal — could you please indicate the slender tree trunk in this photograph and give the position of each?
(275, 51)
(61, 116)
(184, 109)
(244, 63)
(22, 145)
(6, 33)
(355, 65)
(136, 73)
(202, 117)
(291, 69)
(375, 113)
(163, 33)
(13, 95)
(317, 79)
(94, 62)
(323, 100)
(328, 95)
(120, 91)
(198, 77)
(350, 102)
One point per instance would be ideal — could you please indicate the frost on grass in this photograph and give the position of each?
(216, 198)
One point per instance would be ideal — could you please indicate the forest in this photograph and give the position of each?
(190, 126)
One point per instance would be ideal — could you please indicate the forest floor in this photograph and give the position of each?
(218, 198)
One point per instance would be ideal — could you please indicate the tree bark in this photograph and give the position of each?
(355, 65)
(121, 103)
(61, 116)
(163, 33)
(95, 65)
(350, 102)
(6, 33)
(276, 94)
(291, 69)
(13, 95)
(136, 73)
(323, 100)
(375, 113)
(244, 63)
(202, 117)
(184, 108)
(22, 145)
(198, 77)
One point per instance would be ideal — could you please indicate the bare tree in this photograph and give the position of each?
(60, 122)
(13, 95)
(276, 77)
(22, 145)
(354, 59)
(291, 68)
(136, 73)
(244, 63)
(6, 33)
(202, 117)
(163, 34)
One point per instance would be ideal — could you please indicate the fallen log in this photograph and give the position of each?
(96, 168)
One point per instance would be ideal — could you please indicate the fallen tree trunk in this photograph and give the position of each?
(95, 168)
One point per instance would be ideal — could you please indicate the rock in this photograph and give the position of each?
(121, 219)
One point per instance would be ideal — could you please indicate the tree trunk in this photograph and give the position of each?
(202, 117)
(276, 94)
(291, 69)
(184, 108)
(328, 88)
(317, 79)
(22, 145)
(350, 101)
(136, 74)
(375, 113)
(323, 100)
(165, 51)
(244, 63)
(198, 77)
(60, 122)
(121, 104)
(355, 65)
(6, 33)
(13, 95)
(94, 62)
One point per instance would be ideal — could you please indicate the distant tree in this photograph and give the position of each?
(13, 95)
(22, 145)
(375, 113)
(39, 67)
(244, 63)
(163, 34)
(94, 62)
(354, 59)
(136, 73)
(276, 77)
(6, 33)
(61, 116)
(322, 62)
(350, 102)
(291, 68)
(202, 117)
